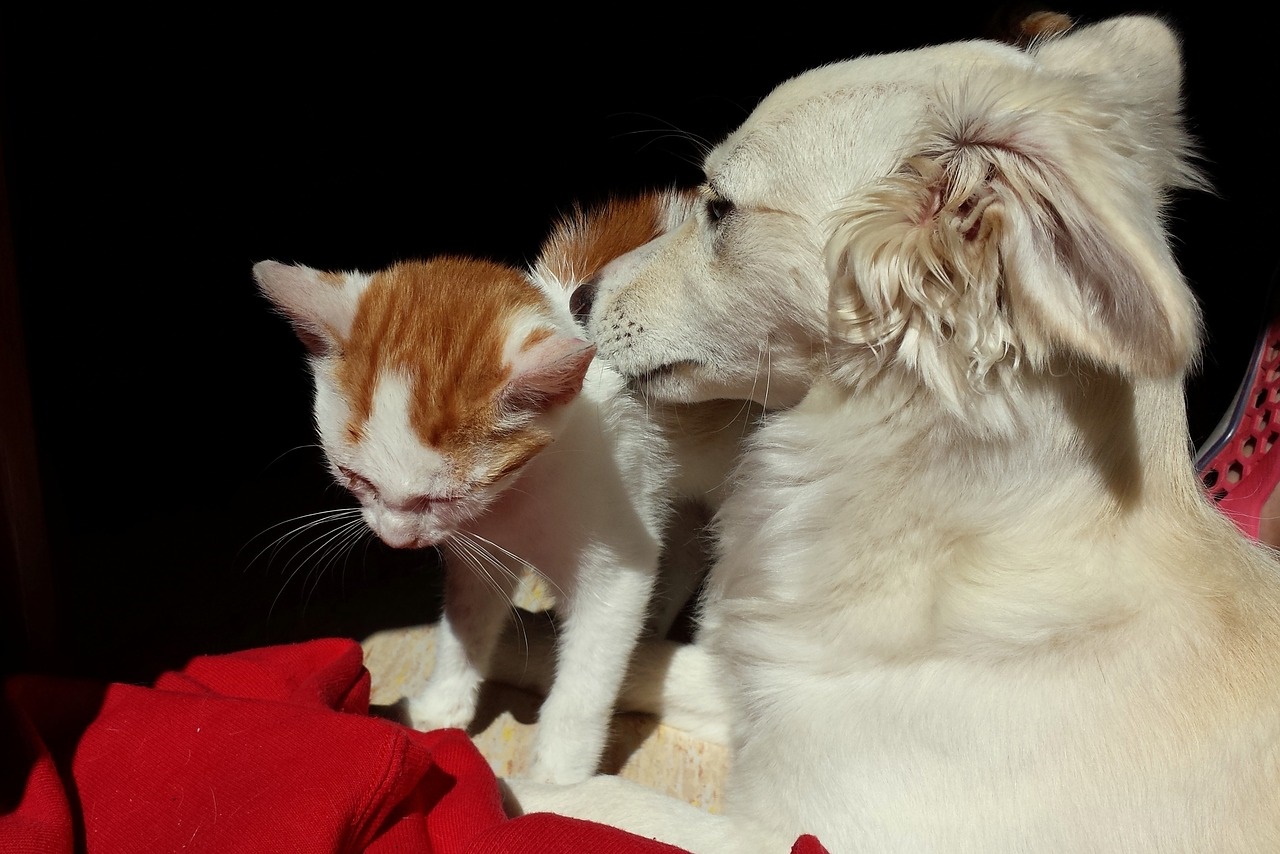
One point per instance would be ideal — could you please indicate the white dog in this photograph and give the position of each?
(971, 597)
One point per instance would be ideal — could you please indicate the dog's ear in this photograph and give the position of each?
(1024, 224)
(1136, 61)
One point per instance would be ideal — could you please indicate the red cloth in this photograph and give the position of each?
(267, 750)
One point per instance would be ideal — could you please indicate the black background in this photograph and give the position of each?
(150, 160)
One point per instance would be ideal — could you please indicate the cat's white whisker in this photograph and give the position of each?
(482, 554)
(332, 512)
(349, 532)
(292, 450)
(530, 567)
(481, 545)
(474, 557)
(320, 518)
(477, 556)
(330, 549)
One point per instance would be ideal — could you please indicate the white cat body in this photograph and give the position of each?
(580, 495)
(588, 514)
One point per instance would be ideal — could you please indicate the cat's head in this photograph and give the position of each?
(436, 382)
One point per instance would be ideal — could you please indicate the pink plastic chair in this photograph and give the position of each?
(1238, 464)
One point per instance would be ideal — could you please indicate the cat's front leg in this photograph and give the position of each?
(602, 620)
(474, 610)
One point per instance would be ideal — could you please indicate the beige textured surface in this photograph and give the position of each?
(641, 749)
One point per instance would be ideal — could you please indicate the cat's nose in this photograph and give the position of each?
(581, 299)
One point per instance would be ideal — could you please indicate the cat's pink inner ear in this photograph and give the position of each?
(548, 373)
(319, 305)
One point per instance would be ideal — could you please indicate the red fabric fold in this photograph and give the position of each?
(264, 750)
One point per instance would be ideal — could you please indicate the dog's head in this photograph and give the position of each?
(1005, 200)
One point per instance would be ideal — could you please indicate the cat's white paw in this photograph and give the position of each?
(570, 737)
(437, 710)
(562, 764)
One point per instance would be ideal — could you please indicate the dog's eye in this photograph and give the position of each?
(718, 208)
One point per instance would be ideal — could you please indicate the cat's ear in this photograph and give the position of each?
(547, 373)
(319, 304)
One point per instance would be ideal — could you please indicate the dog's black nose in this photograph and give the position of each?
(581, 299)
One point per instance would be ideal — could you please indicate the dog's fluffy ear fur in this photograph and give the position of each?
(1025, 225)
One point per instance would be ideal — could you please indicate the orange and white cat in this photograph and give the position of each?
(458, 401)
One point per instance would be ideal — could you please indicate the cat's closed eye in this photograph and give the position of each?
(428, 503)
(357, 483)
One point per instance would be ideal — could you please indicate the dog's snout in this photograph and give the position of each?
(581, 299)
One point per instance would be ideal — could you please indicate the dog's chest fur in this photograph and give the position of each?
(955, 661)
(956, 626)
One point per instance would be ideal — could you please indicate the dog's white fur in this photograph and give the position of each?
(971, 596)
